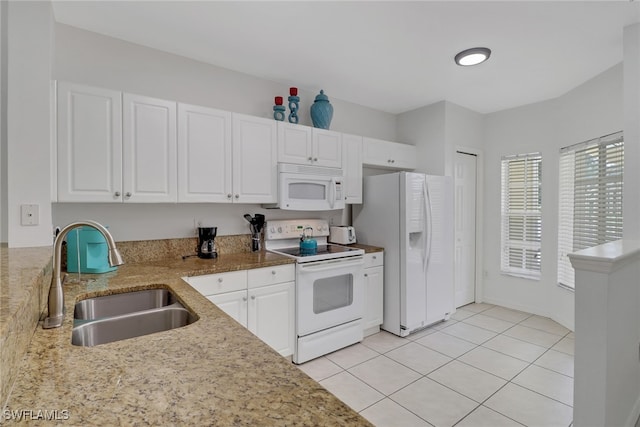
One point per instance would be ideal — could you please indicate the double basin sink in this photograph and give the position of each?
(110, 318)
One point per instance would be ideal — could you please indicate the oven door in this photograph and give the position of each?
(328, 293)
(303, 192)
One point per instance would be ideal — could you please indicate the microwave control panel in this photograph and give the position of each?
(293, 228)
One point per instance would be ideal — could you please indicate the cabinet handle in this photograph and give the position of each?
(374, 257)
(393, 161)
(237, 196)
(127, 194)
(366, 275)
(219, 279)
(117, 194)
(229, 196)
(273, 272)
(244, 298)
(253, 297)
(315, 159)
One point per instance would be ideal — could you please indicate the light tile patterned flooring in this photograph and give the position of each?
(486, 366)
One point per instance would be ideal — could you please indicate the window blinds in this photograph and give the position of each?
(521, 215)
(590, 206)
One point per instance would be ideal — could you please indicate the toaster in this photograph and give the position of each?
(342, 235)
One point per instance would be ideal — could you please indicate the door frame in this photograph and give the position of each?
(479, 217)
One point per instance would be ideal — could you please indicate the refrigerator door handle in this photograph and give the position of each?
(425, 247)
(428, 212)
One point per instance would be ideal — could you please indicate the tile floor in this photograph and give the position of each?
(486, 366)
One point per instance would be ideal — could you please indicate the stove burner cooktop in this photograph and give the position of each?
(322, 250)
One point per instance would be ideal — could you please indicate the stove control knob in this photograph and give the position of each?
(273, 229)
(279, 229)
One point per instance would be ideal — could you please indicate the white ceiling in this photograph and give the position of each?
(392, 56)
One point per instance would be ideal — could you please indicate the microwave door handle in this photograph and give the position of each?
(332, 198)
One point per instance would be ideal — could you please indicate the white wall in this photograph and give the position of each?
(3, 123)
(631, 48)
(90, 58)
(589, 111)
(425, 128)
(30, 26)
(437, 130)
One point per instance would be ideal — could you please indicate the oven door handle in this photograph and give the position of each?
(331, 264)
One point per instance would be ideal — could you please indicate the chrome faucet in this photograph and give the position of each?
(56, 296)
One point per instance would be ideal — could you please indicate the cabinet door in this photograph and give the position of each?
(373, 296)
(89, 144)
(375, 152)
(327, 148)
(388, 155)
(271, 316)
(404, 156)
(149, 150)
(352, 162)
(294, 144)
(255, 163)
(204, 154)
(232, 303)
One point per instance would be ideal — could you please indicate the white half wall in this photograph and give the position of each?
(591, 110)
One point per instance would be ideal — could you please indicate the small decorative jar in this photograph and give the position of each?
(321, 111)
(278, 109)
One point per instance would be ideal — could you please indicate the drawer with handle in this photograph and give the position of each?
(271, 275)
(374, 259)
(213, 284)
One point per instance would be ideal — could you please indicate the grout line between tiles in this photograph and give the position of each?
(423, 376)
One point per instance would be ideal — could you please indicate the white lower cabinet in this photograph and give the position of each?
(270, 316)
(373, 292)
(262, 300)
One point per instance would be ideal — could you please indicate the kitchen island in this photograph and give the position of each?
(211, 372)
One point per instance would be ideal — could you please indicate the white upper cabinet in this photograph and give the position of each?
(294, 144)
(114, 147)
(255, 162)
(352, 161)
(304, 145)
(388, 155)
(89, 144)
(149, 150)
(326, 148)
(204, 154)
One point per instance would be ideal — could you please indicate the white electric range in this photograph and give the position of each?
(329, 288)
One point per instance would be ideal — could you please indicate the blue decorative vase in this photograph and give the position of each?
(321, 111)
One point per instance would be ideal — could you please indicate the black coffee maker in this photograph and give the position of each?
(206, 244)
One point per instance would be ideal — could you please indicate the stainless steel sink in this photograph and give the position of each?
(128, 302)
(133, 314)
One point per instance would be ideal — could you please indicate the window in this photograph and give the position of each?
(521, 215)
(590, 206)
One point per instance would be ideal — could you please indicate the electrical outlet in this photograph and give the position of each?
(29, 214)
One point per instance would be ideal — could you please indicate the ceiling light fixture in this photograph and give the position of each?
(473, 56)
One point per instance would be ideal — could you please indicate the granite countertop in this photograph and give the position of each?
(212, 372)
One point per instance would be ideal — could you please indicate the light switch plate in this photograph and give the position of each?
(29, 214)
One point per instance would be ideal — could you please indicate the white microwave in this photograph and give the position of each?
(309, 188)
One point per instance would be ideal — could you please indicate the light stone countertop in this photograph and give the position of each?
(212, 372)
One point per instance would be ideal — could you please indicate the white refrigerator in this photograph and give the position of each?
(410, 215)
